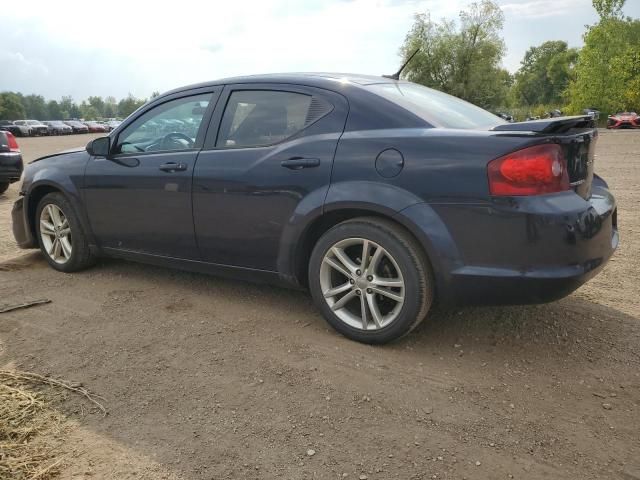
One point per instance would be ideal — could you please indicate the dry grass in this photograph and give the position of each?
(31, 433)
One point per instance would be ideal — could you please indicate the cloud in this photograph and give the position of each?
(542, 8)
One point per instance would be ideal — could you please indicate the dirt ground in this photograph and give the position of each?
(216, 379)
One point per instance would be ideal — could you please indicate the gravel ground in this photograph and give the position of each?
(207, 378)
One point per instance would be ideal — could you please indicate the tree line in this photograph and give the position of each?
(15, 106)
(464, 59)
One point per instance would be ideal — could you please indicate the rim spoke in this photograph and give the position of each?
(363, 312)
(332, 292)
(365, 255)
(388, 293)
(64, 232)
(46, 228)
(344, 259)
(375, 312)
(54, 214)
(375, 260)
(56, 249)
(343, 301)
(337, 266)
(51, 244)
(388, 282)
(66, 247)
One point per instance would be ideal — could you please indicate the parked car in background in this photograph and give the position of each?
(36, 127)
(113, 124)
(505, 116)
(95, 127)
(57, 127)
(10, 160)
(78, 127)
(16, 130)
(624, 120)
(592, 112)
(379, 196)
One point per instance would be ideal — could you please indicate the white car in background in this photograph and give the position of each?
(36, 126)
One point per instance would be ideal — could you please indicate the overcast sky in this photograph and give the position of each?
(83, 48)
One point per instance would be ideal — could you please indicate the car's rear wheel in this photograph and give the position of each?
(60, 234)
(3, 187)
(371, 280)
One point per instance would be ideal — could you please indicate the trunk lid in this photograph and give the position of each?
(576, 135)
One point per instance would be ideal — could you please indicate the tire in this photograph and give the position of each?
(401, 261)
(3, 187)
(80, 256)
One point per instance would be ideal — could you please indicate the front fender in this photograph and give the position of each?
(54, 178)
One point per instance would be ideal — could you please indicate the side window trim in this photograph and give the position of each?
(214, 91)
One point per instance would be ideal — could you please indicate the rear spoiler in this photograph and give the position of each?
(548, 125)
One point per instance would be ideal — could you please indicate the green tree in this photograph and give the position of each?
(35, 107)
(128, 105)
(11, 107)
(544, 74)
(97, 103)
(110, 107)
(55, 112)
(607, 70)
(462, 58)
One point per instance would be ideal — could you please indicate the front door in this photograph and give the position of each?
(272, 151)
(139, 199)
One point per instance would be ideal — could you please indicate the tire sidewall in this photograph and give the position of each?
(415, 295)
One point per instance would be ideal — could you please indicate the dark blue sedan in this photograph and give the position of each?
(379, 196)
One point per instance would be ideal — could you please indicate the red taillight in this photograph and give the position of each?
(530, 171)
(13, 144)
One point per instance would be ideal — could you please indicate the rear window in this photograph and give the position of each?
(437, 108)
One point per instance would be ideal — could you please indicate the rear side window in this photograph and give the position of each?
(437, 108)
(262, 117)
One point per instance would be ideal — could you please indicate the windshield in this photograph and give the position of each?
(437, 108)
(33, 122)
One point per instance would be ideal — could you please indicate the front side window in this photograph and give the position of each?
(262, 117)
(173, 125)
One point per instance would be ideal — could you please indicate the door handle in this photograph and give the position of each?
(173, 167)
(298, 163)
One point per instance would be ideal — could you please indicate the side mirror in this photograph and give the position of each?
(100, 147)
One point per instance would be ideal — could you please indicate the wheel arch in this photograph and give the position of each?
(299, 264)
(38, 190)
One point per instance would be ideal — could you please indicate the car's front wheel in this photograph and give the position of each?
(371, 280)
(60, 234)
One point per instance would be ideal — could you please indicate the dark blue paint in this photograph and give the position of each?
(250, 213)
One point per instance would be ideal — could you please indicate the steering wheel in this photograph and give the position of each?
(170, 139)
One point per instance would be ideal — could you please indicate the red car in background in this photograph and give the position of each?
(95, 127)
(624, 120)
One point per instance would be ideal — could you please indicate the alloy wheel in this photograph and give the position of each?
(55, 233)
(362, 283)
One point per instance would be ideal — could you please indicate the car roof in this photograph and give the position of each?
(314, 79)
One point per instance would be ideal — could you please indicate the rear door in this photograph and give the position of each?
(269, 147)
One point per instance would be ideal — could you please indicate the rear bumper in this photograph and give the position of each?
(21, 231)
(11, 167)
(526, 249)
